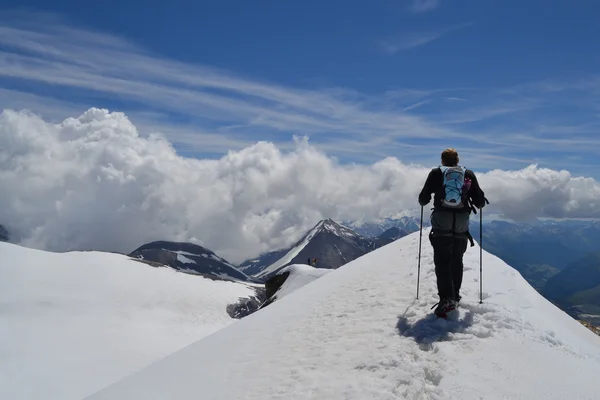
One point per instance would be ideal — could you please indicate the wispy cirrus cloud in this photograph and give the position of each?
(60, 71)
(406, 41)
(107, 66)
(97, 69)
(420, 6)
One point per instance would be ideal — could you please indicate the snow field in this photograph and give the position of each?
(73, 323)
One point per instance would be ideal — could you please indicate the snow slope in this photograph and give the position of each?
(359, 333)
(73, 323)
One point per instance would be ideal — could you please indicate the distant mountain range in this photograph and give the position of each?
(576, 289)
(372, 229)
(540, 250)
(392, 234)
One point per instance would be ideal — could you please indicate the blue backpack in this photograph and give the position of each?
(456, 187)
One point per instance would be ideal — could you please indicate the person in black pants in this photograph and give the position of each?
(456, 194)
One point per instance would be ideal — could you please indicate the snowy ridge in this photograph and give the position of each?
(359, 333)
(73, 323)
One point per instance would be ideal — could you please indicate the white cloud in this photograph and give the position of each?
(543, 192)
(407, 41)
(93, 183)
(419, 6)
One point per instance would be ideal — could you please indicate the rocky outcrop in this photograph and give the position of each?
(591, 327)
(272, 285)
(290, 279)
(4, 237)
(247, 305)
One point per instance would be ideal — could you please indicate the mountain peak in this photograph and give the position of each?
(331, 244)
(335, 228)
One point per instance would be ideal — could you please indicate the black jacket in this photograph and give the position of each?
(444, 221)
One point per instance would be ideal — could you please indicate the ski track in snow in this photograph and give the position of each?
(371, 339)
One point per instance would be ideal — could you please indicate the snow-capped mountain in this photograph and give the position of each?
(332, 244)
(359, 333)
(190, 258)
(73, 323)
(377, 227)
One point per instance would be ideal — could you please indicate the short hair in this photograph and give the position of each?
(449, 157)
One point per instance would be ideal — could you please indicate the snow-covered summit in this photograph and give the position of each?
(337, 229)
(190, 258)
(359, 333)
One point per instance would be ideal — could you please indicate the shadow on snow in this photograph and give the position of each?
(432, 329)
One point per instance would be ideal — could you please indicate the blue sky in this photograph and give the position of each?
(506, 83)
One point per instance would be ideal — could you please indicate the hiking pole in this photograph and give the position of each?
(480, 256)
(420, 239)
(481, 251)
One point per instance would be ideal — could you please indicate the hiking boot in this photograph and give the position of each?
(444, 306)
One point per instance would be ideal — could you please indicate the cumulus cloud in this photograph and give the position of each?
(93, 182)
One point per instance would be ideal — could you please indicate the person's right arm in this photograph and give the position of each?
(428, 189)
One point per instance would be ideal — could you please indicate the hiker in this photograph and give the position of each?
(456, 193)
(308, 262)
(314, 262)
